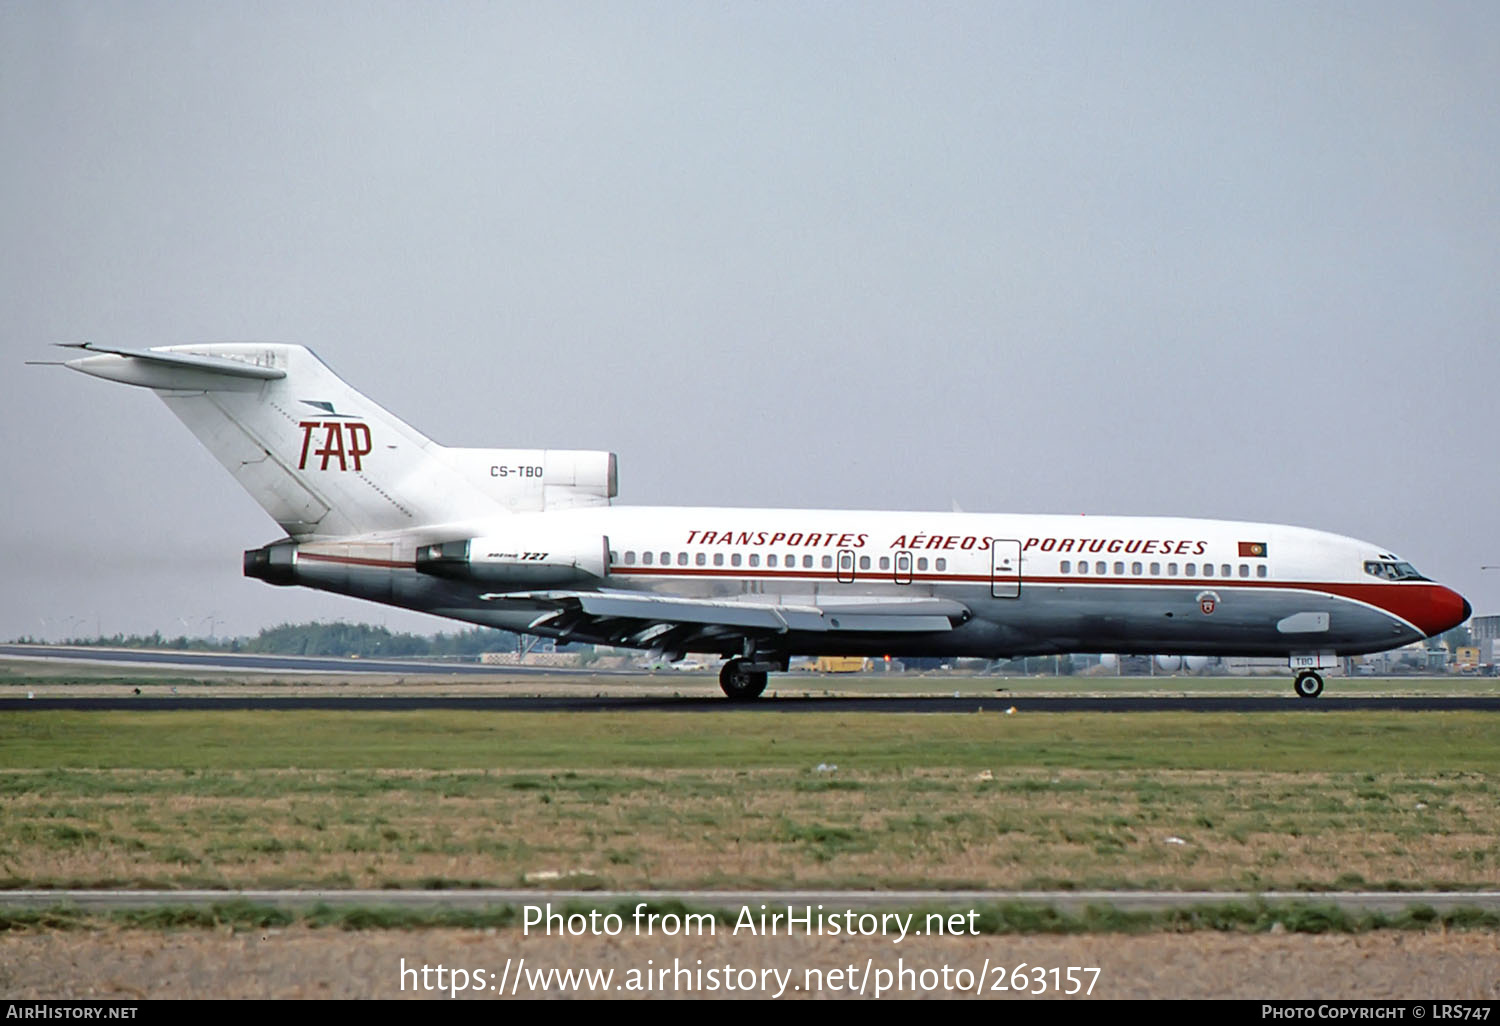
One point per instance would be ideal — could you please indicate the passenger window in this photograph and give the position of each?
(771, 560)
(647, 558)
(1171, 569)
(682, 559)
(922, 563)
(1119, 568)
(629, 556)
(734, 560)
(1155, 569)
(755, 559)
(614, 557)
(1136, 569)
(791, 561)
(1101, 569)
(885, 562)
(1066, 567)
(1190, 569)
(1208, 569)
(1260, 570)
(666, 559)
(941, 563)
(1244, 570)
(807, 562)
(718, 559)
(827, 562)
(1224, 570)
(864, 562)
(702, 559)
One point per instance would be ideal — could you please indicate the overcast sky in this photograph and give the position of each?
(1234, 260)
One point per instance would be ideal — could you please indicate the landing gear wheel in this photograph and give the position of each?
(740, 684)
(1309, 684)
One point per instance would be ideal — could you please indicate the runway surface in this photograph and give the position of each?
(235, 661)
(584, 693)
(998, 706)
(1130, 901)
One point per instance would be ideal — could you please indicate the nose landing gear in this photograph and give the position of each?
(1309, 684)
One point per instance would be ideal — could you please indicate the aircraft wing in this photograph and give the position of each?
(670, 622)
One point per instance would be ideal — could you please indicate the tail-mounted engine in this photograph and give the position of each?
(519, 562)
(275, 563)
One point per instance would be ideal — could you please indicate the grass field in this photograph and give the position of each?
(665, 800)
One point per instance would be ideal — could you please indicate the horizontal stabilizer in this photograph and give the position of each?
(159, 358)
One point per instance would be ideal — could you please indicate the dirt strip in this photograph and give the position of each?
(304, 963)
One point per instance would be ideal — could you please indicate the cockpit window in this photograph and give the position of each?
(1392, 571)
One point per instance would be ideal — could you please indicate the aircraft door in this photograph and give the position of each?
(1005, 568)
(903, 567)
(846, 566)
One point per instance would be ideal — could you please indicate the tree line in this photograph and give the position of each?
(320, 639)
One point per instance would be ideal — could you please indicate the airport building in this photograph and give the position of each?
(1485, 630)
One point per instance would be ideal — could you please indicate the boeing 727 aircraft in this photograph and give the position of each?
(528, 540)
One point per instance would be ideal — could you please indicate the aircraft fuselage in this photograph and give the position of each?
(1031, 584)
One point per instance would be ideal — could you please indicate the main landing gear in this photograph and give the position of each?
(1309, 684)
(740, 683)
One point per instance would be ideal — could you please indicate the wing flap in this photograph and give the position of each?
(919, 615)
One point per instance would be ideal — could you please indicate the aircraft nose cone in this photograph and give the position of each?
(1448, 610)
(1430, 608)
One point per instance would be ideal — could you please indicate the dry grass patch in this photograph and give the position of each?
(766, 827)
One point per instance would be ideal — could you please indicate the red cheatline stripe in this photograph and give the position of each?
(1416, 602)
(1370, 593)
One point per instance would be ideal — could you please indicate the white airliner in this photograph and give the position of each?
(527, 540)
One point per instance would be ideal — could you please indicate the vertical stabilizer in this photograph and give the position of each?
(319, 457)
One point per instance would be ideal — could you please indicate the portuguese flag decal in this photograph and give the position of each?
(1253, 549)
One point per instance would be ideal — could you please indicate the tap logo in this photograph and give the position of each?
(1208, 601)
(344, 441)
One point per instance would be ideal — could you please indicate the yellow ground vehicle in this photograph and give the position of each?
(841, 664)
